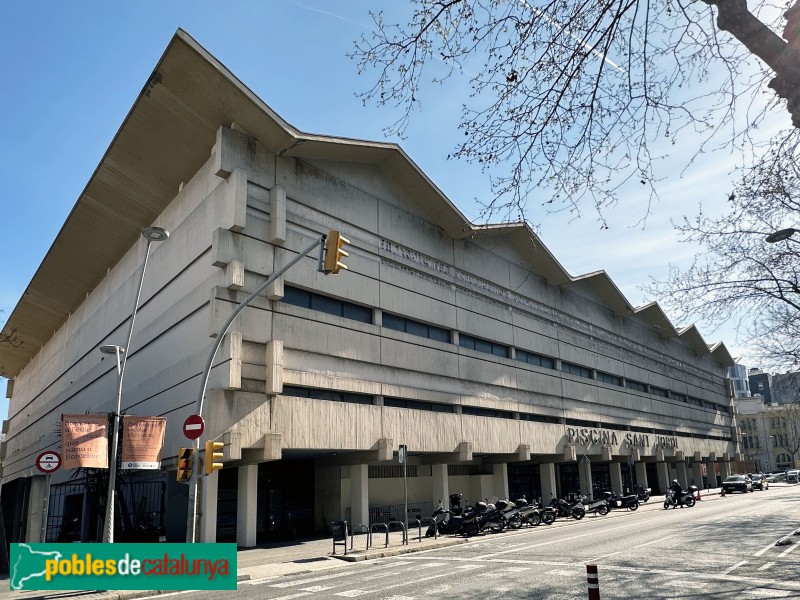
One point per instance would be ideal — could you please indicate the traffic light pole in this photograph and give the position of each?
(191, 522)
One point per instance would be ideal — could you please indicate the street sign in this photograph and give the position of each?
(193, 426)
(401, 453)
(48, 461)
(584, 460)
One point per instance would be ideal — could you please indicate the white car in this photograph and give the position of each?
(793, 476)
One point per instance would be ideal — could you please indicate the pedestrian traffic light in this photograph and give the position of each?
(213, 454)
(334, 253)
(185, 461)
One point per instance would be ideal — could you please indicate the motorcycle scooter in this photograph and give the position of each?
(685, 498)
(643, 493)
(565, 509)
(630, 502)
(598, 507)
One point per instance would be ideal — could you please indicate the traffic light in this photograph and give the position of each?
(213, 453)
(334, 253)
(185, 461)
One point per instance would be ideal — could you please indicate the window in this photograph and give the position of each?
(326, 304)
(608, 378)
(537, 418)
(535, 359)
(680, 397)
(486, 412)
(485, 346)
(417, 405)
(635, 385)
(431, 332)
(657, 391)
(332, 395)
(578, 370)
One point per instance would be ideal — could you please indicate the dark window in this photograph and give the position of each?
(331, 395)
(580, 423)
(486, 412)
(677, 396)
(578, 370)
(328, 305)
(635, 385)
(473, 343)
(608, 378)
(409, 326)
(657, 391)
(417, 405)
(535, 359)
(537, 418)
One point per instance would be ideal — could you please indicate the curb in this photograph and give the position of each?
(358, 557)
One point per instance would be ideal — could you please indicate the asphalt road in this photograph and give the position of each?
(722, 548)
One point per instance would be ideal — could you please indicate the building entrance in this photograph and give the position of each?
(523, 481)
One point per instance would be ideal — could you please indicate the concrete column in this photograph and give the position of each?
(711, 474)
(359, 495)
(697, 474)
(246, 506)
(440, 488)
(208, 507)
(585, 476)
(662, 469)
(500, 477)
(34, 532)
(641, 473)
(682, 474)
(615, 470)
(547, 481)
(724, 469)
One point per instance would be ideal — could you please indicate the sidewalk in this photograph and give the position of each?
(288, 558)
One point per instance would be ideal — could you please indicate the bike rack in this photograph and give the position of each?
(361, 529)
(339, 534)
(428, 521)
(402, 528)
(381, 527)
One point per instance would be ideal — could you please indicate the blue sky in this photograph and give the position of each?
(72, 70)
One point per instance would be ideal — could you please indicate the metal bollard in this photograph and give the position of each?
(593, 582)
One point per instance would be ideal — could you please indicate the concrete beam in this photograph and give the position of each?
(462, 453)
(523, 454)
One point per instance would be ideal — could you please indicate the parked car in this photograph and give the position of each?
(760, 482)
(776, 477)
(793, 476)
(737, 483)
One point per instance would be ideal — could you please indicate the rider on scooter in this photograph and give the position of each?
(676, 487)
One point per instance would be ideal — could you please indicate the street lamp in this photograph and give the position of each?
(782, 234)
(151, 234)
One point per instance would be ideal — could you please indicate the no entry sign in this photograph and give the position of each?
(193, 426)
(48, 461)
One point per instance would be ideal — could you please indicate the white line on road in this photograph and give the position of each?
(766, 566)
(333, 576)
(653, 542)
(734, 567)
(764, 549)
(785, 552)
(591, 560)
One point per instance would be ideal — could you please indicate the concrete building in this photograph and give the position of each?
(503, 374)
(770, 433)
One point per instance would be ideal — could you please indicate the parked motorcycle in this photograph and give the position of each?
(533, 514)
(495, 517)
(643, 493)
(565, 509)
(457, 520)
(685, 498)
(630, 502)
(598, 507)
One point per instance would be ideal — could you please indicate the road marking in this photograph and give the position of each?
(764, 549)
(765, 566)
(591, 560)
(300, 595)
(736, 566)
(785, 552)
(316, 588)
(286, 584)
(653, 542)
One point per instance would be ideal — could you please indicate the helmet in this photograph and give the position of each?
(674, 481)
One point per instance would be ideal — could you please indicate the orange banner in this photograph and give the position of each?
(142, 442)
(84, 441)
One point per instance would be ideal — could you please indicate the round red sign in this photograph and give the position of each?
(193, 426)
(48, 461)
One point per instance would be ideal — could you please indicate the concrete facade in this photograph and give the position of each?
(469, 344)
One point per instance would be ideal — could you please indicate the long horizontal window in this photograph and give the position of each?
(417, 405)
(486, 412)
(609, 378)
(635, 385)
(432, 332)
(574, 369)
(326, 304)
(332, 395)
(535, 359)
(657, 391)
(473, 343)
(538, 418)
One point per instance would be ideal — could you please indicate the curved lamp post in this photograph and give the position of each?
(782, 234)
(151, 234)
